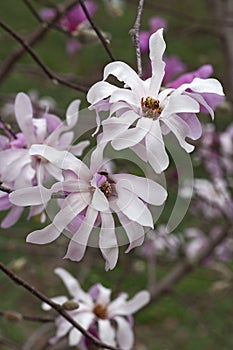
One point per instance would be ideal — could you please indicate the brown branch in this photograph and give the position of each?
(186, 266)
(33, 11)
(18, 280)
(134, 32)
(55, 78)
(98, 32)
(36, 36)
(15, 316)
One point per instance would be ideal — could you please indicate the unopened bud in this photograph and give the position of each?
(70, 305)
(87, 36)
(13, 316)
(18, 264)
(115, 7)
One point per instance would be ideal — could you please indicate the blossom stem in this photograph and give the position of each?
(18, 280)
(134, 32)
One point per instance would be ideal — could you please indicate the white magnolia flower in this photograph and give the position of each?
(144, 111)
(110, 321)
(92, 196)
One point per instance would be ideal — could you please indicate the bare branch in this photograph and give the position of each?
(134, 32)
(39, 295)
(98, 32)
(55, 78)
(11, 315)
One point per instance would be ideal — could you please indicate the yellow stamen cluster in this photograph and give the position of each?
(150, 108)
(106, 188)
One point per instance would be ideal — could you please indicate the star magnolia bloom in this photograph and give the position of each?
(18, 169)
(145, 111)
(110, 320)
(96, 194)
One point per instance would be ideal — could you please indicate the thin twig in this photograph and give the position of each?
(33, 11)
(186, 266)
(134, 32)
(98, 32)
(10, 315)
(8, 64)
(55, 78)
(18, 280)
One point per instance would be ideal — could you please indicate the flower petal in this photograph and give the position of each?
(85, 319)
(106, 332)
(12, 217)
(134, 231)
(124, 333)
(100, 91)
(30, 196)
(108, 242)
(23, 114)
(99, 201)
(157, 48)
(72, 113)
(58, 300)
(137, 302)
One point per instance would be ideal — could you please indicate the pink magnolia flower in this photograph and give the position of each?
(71, 21)
(18, 169)
(110, 321)
(145, 111)
(94, 194)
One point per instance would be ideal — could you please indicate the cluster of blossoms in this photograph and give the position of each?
(110, 321)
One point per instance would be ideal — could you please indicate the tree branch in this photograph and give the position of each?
(15, 316)
(134, 32)
(16, 279)
(98, 32)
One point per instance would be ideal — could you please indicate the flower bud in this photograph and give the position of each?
(13, 316)
(18, 264)
(87, 36)
(70, 305)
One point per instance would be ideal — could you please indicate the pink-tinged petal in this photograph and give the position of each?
(195, 128)
(134, 231)
(157, 22)
(100, 91)
(211, 86)
(78, 149)
(72, 46)
(133, 207)
(12, 217)
(106, 332)
(180, 104)
(144, 41)
(200, 99)
(30, 196)
(63, 327)
(58, 300)
(180, 130)
(203, 72)
(107, 241)
(40, 129)
(4, 142)
(116, 304)
(157, 47)
(46, 235)
(131, 137)
(62, 159)
(4, 201)
(99, 201)
(124, 333)
(137, 302)
(72, 113)
(174, 66)
(78, 243)
(65, 140)
(53, 122)
(103, 295)
(148, 190)
(156, 152)
(124, 73)
(96, 162)
(54, 171)
(212, 100)
(47, 13)
(23, 114)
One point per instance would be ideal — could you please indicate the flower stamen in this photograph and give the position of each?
(150, 108)
(100, 311)
(106, 188)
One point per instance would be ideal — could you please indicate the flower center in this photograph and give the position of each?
(106, 188)
(100, 311)
(150, 108)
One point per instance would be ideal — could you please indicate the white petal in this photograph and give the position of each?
(78, 243)
(103, 295)
(180, 104)
(202, 102)
(148, 190)
(133, 230)
(157, 48)
(130, 307)
(133, 207)
(85, 319)
(62, 159)
(99, 201)
(30, 196)
(72, 113)
(180, 130)
(116, 304)
(125, 95)
(156, 152)
(124, 73)
(203, 85)
(70, 282)
(46, 235)
(124, 333)
(78, 149)
(107, 241)
(23, 114)
(100, 91)
(106, 332)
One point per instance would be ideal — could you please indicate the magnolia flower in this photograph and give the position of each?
(92, 196)
(110, 321)
(155, 23)
(145, 112)
(18, 168)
